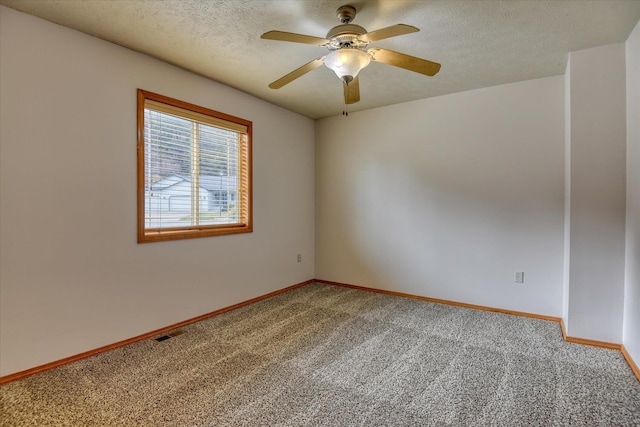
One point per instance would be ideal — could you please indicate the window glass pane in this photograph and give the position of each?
(168, 168)
(218, 174)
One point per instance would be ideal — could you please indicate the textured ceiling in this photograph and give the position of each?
(479, 43)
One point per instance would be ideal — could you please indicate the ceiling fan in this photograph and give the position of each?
(348, 54)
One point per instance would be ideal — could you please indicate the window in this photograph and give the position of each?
(194, 171)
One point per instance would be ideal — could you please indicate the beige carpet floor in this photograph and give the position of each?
(324, 355)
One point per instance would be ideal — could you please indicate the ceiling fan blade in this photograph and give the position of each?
(295, 38)
(407, 62)
(309, 66)
(385, 33)
(352, 91)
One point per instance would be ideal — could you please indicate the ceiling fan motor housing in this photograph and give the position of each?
(346, 36)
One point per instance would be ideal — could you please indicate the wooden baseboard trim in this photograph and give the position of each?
(594, 343)
(563, 329)
(442, 301)
(66, 360)
(585, 341)
(630, 361)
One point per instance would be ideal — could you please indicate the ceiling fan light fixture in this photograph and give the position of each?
(347, 62)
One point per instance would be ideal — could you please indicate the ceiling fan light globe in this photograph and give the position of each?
(347, 62)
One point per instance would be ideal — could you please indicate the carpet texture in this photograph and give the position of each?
(323, 355)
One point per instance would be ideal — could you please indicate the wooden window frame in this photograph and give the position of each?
(245, 167)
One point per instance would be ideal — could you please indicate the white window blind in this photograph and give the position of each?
(195, 170)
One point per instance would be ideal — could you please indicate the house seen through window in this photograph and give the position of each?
(194, 170)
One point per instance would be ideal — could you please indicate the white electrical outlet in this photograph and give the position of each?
(299, 257)
(519, 277)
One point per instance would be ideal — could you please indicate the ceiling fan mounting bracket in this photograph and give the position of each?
(346, 13)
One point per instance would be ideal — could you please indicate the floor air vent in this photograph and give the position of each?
(171, 335)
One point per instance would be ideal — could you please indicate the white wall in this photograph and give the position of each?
(72, 277)
(597, 193)
(447, 197)
(631, 334)
(566, 279)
